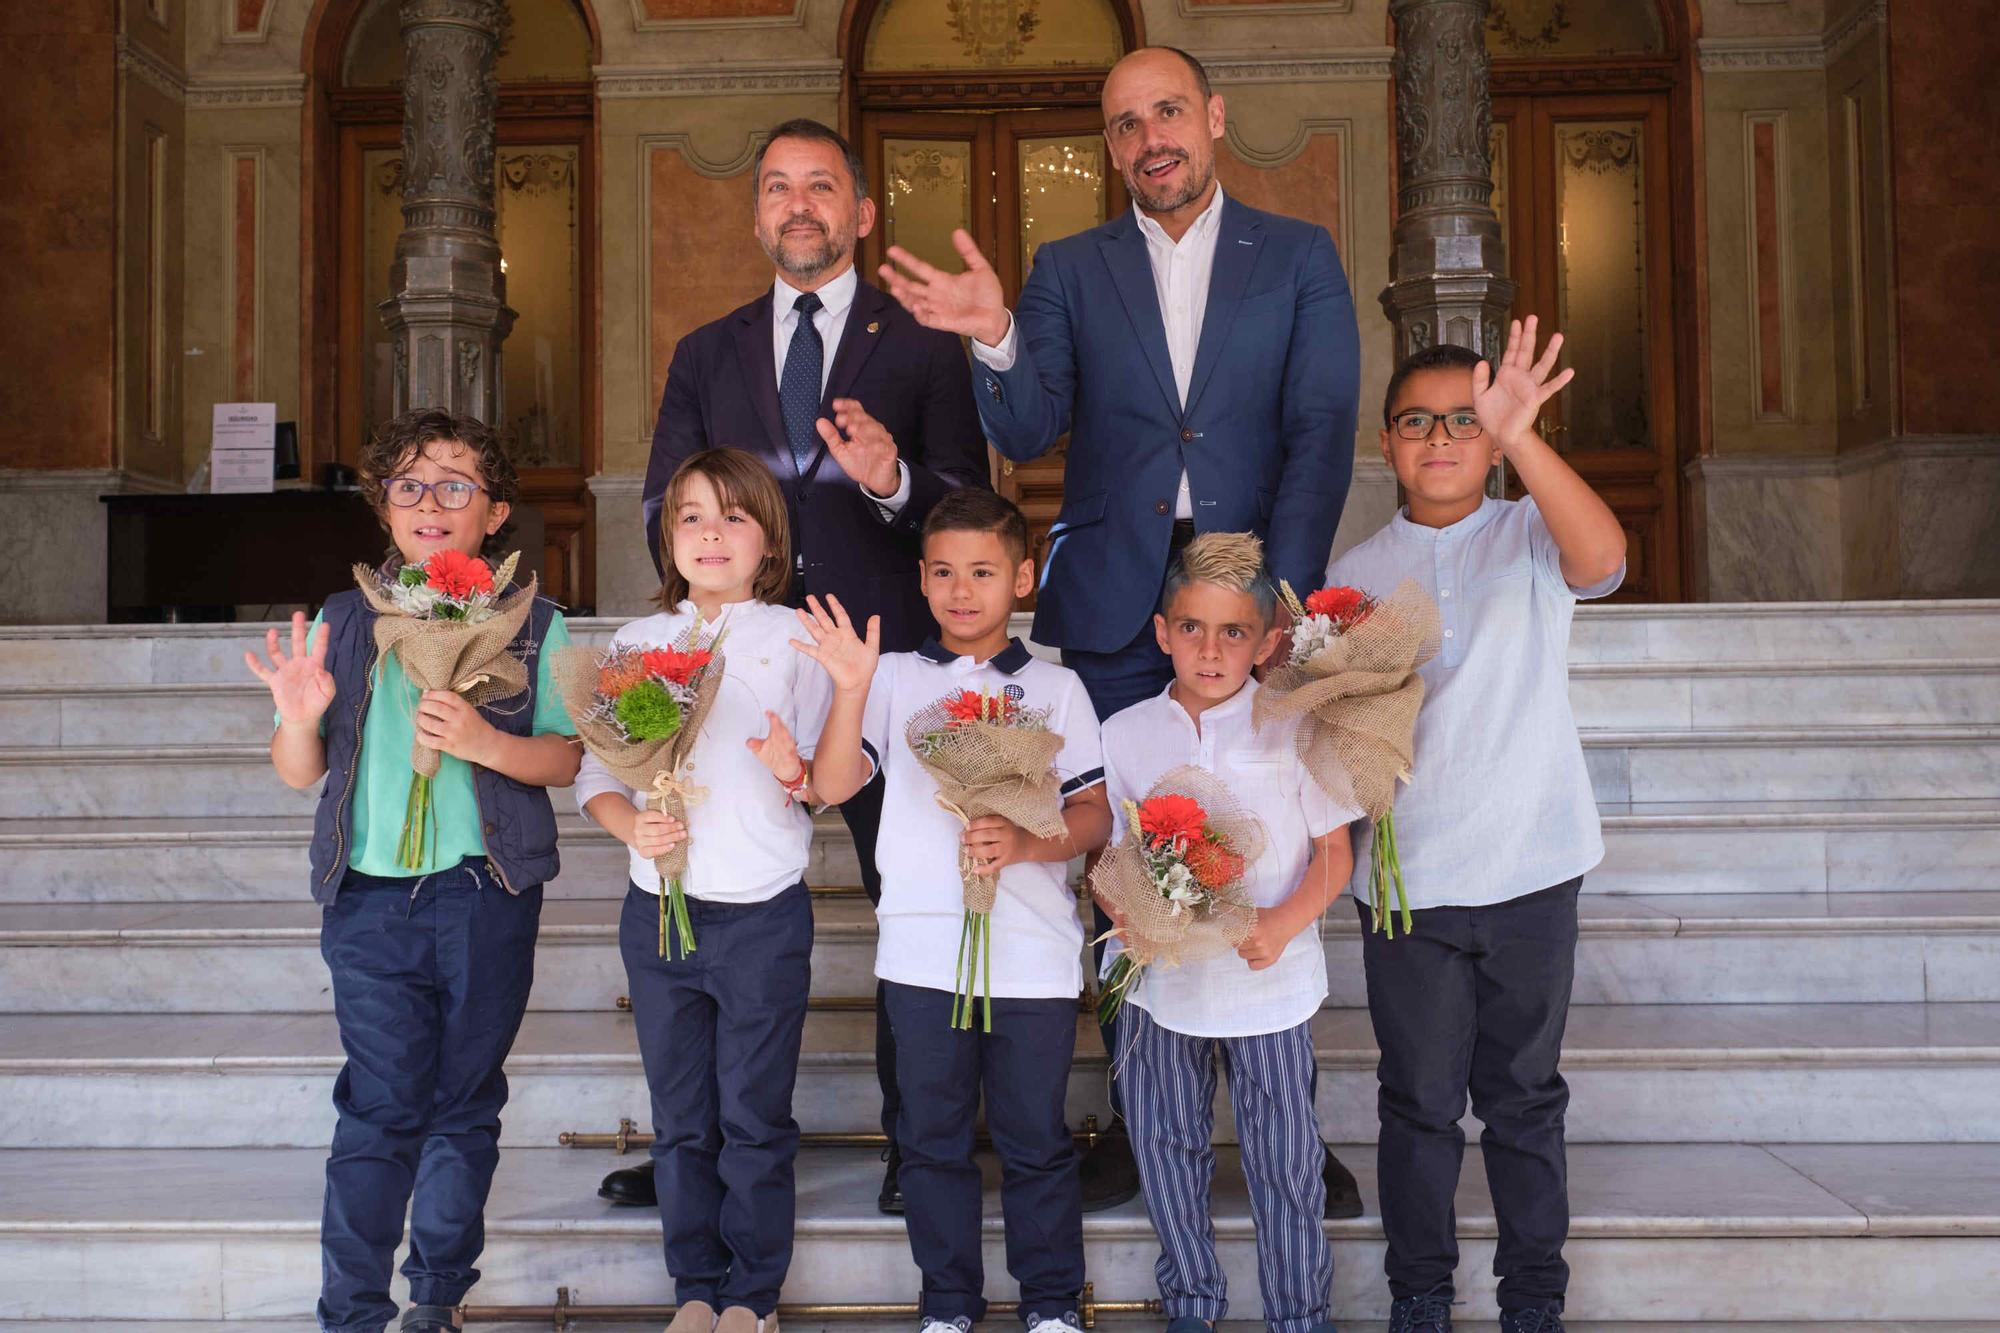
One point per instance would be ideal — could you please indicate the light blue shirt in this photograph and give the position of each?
(1500, 804)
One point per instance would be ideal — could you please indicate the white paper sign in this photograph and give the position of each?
(242, 447)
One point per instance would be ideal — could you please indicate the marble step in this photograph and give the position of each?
(1623, 695)
(1110, 1323)
(1702, 632)
(1637, 1073)
(1666, 847)
(1672, 949)
(1788, 764)
(1775, 1232)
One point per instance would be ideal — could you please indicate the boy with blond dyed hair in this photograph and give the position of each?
(1248, 1013)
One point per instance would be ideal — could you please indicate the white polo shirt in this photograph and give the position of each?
(1037, 934)
(1220, 996)
(749, 841)
(1500, 804)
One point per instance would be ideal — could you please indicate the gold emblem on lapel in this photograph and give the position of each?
(874, 326)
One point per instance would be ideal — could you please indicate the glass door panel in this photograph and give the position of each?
(1061, 185)
(1601, 281)
(927, 193)
(537, 224)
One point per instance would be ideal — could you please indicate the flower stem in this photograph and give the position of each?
(1124, 976)
(675, 901)
(416, 815)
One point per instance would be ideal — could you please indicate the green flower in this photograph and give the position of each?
(648, 712)
(411, 576)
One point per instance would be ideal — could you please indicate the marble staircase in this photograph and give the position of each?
(1785, 1055)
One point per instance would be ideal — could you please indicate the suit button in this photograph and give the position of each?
(1186, 436)
(489, 830)
(1160, 507)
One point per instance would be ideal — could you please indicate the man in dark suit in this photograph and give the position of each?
(865, 418)
(1203, 358)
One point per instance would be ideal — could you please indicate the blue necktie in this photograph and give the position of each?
(798, 387)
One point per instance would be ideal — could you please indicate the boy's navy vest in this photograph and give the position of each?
(516, 820)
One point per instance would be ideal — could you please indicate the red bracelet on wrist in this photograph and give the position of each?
(796, 788)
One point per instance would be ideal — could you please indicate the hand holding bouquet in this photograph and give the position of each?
(989, 756)
(640, 710)
(1352, 682)
(1176, 881)
(449, 629)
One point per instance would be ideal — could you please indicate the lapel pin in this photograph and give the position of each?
(874, 326)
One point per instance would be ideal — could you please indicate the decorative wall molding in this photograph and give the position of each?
(1365, 65)
(620, 485)
(683, 143)
(1771, 297)
(1893, 450)
(261, 32)
(224, 94)
(644, 22)
(1342, 131)
(1868, 20)
(1194, 9)
(86, 480)
(634, 82)
(151, 69)
(1799, 52)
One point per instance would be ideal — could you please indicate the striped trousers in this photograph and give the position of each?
(1169, 1083)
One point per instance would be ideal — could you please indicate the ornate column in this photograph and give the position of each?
(1447, 272)
(449, 312)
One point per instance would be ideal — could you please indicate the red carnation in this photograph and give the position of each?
(1171, 817)
(456, 574)
(1346, 607)
(972, 706)
(673, 665)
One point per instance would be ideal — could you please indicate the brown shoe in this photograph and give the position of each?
(741, 1319)
(694, 1317)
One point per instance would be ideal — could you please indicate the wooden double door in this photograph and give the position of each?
(1581, 186)
(1013, 179)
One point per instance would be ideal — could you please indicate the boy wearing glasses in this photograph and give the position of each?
(430, 964)
(1494, 834)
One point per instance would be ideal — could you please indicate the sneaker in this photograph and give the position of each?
(931, 1324)
(1066, 1322)
(742, 1319)
(1530, 1321)
(1428, 1313)
(693, 1317)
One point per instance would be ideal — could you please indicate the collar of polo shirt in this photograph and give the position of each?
(1008, 661)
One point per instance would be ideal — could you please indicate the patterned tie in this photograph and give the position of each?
(798, 387)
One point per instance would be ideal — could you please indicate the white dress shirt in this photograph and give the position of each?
(1499, 804)
(836, 299)
(1037, 934)
(1181, 271)
(1220, 996)
(748, 840)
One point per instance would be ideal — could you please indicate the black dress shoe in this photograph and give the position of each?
(1343, 1196)
(890, 1200)
(1109, 1173)
(631, 1187)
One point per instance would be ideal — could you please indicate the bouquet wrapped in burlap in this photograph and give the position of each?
(449, 630)
(989, 756)
(1175, 882)
(640, 711)
(1351, 682)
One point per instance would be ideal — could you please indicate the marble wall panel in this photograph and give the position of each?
(1773, 530)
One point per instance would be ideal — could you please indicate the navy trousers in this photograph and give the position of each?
(1022, 1066)
(1475, 999)
(719, 1033)
(430, 979)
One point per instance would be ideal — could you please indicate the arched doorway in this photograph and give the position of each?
(983, 114)
(545, 204)
(1594, 147)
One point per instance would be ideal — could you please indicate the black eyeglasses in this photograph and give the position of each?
(408, 492)
(1418, 425)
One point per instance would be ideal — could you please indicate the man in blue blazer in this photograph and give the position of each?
(865, 419)
(1203, 359)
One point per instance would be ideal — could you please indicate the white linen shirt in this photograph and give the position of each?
(1500, 804)
(748, 840)
(1181, 270)
(1220, 996)
(836, 299)
(1037, 934)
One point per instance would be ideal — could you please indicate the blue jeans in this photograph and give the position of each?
(719, 1032)
(1022, 1067)
(430, 980)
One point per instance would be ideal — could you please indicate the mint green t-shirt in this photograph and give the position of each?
(382, 783)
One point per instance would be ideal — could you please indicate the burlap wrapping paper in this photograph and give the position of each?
(987, 768)
(1357, 701)
(1152, 932)
(451, 654)
(659, 769)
